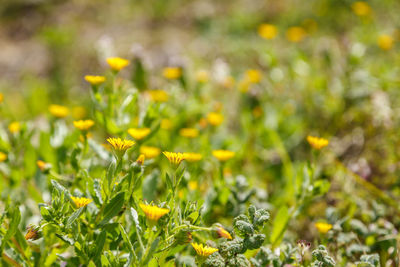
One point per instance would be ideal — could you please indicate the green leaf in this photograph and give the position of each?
(15, 218)
(279, 225)
(151, 251)
(100, 241)
(61, 189)
(135, 218)
(74, 216)
(113, 208)
(127, 241)
(110, 172)
(150, 187)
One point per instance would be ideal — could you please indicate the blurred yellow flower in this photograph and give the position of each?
(317, 142)
(153, 213)
(189, 132)
(322, 227)
(203, 251)
(58, 111)
(267, 31)
(192, 157)
(41, 165)
(81, 201)
(158, 95)
(166, 124)
(174, 158)
(140, 159)
(1, 98)
(120, 145)
(223, 155)
(172, 73)
(14, 127)
(215, 118)
(361, 8)
(254, 76)
(83, 125)
(202, 76)
(79, 112)
(117, 63)
(139, 133)
(385, 42)
(193, 185)
(295, 34)
(150, 151)
(3, 156)
(223, 233)
(95, 79)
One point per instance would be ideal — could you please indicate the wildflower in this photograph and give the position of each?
(172, 73)
(140, 159)
(189, 132)
(322, 227)
(215, 118)
(317, 142)
(14, 127)
(3, 156)
(193, 185)
(203, 251)
(295, 34)
(120, 145)
(158, 95)
(223, 233)
(83, 125)
(58, 111)
(223, 155)
(202, 76)
(192, 157)
(33, 233)
(153, 213)
(184, 236)
(117, 63)
(166, 124)
(41, 165)
(79, 112)
(139, 133)
(267, 31)
(254, 76)
(95, 79)
(1, 98)
(150, 151)
(81, 201)
(174, 158)
(385, 42)
(361, 8)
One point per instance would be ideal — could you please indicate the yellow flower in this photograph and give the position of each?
(244, 85)
(223, 155)
(193, 185)
(192, 157)
(14, 127)
(3, 156)
(140, 159)
(120, 145)
(95, 79)
(189, 132)
(117, 63)
(139, 133)
(172, 73)
(58, 111)
(174, 158)
(361, 8)
(215, 118)
(317, 142)
(83, 125)
(1, 98)
(267, 31)
(153, 213)
(150, 151)
(41, 165)
(295, 34)
(166, 124)
(202, 76)
(223, 233)
(33, 233)
(203, 251)
(79, 112)
(254, 76)
(322, 227)
(81, 201)
(158, 95)
(385, 42)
